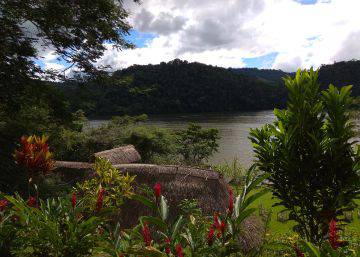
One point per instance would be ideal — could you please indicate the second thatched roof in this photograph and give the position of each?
(120, 155)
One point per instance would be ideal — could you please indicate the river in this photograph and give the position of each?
(233, 128)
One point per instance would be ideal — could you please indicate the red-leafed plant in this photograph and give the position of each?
(34, 155)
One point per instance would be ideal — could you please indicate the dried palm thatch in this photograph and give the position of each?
(120, 155)
(178, 183)
(252, 235)
(71, 172)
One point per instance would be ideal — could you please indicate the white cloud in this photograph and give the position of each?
(223, 32)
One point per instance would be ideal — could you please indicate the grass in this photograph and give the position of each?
(278, 228)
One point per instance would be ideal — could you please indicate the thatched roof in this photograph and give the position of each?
(178, 183)
(71, 172)
(120, 155)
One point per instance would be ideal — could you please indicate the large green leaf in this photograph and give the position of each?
(164, 209)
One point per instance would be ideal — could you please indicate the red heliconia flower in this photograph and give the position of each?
(333, 235)
(34, 155)
(73, 200)
(210, 236)
(31, 201)
(179, 251)
(157, 190)
(231, 201)
(167, 249)
(222, 227)
(100, 199)
(298, 252)
(3, 204)
(146, 234)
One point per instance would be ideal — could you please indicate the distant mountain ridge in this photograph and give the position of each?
(182, 87)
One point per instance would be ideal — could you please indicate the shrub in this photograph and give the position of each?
(197, 144)
(51, 228)
(309, 156)
(233, 172)
(108, 187)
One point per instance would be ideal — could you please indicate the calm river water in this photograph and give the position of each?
(233, 128)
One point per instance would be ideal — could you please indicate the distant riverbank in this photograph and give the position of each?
(233, 128)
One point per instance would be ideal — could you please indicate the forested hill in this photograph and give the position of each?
(182, 87)
(176, 87)
(341, 74)
(267, 75)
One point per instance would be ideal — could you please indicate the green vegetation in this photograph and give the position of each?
(313, 168)
(173, 87)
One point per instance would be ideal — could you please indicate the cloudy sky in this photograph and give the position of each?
(279, 34)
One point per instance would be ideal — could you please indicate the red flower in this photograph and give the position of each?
(298, 252)
(31, 201)
(222, 227)
(167, 249)
(100, 231)
(179, 251)
(157, 190)
(333, 235)
(3, 204)
(231, 201)
(100, 199)
(73, 200)
(146, 234)
(210, 236)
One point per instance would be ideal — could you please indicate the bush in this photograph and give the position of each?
(197, 144)
(309, 156)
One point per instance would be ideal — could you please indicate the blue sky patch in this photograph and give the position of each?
(261, 62)
(306, 1)
(140, 39)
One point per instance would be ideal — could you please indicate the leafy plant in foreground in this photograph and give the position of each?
(190, 234)
(308, 154)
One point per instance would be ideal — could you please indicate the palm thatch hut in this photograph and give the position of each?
(72, 172)
(178, 183)
(120, 155)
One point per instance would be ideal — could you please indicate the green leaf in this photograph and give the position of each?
(257, 181)
(164, 209)
(177, 227)
(253, 198)
(155, 221)
(244, 214)
(144, 201)
(310, 249)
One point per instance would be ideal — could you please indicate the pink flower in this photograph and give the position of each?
(179, 251)
(73, 200)
(31, 201)
(3, 204)
(146, 234)
(157, 190)
(231, 201)
(100, 199)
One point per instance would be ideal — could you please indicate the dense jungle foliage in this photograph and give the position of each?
(182, 87)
